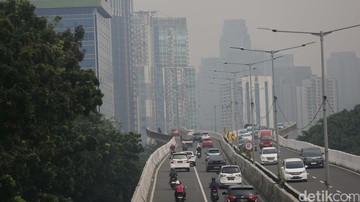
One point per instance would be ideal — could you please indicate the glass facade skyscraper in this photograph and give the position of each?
(95, 17)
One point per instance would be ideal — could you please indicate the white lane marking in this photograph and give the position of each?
(155, 178)
(201, 187)
(321, 181)
(338, 191)
(314, 177)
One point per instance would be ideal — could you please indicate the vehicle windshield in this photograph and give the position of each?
(189, 153)
(242, 192)
(312, 153)
(180, 156)
(230, 170)
(267, 137)
(294, 164)
(213, 151)
(269, 151)
(207, 140)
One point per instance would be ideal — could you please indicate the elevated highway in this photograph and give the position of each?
(343, 181)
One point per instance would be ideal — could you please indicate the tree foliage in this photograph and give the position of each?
(343, 131)
(54, 146)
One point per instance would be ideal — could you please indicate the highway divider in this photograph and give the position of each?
(145, 184)
(256, 177)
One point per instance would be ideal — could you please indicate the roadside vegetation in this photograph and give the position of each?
(54, 145)
(343, 131)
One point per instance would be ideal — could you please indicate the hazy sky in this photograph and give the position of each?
(205, 22)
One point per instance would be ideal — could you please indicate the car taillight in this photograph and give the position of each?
(253, 197)
(231, 197)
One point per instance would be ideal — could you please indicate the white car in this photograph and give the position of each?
(180, 160)
(229, 175)
(212, 151)
(246, 136)
(192, 157)
(268, 155)
(293, 169)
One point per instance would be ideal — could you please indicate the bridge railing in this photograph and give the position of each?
(346, 160)
(145, 184)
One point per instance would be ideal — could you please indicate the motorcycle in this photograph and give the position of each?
(214, 195)
(173, 182)
(198, 154)
(179, 197)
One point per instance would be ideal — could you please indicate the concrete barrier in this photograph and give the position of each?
(346, 160)
(263, 183)
(145, 184)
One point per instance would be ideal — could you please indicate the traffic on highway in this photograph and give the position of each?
(303, 171)
(198, 179)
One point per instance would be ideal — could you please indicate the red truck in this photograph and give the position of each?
(265, 138)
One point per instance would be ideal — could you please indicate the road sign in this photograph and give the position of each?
(248, 145)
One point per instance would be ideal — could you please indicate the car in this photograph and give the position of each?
(246, 135)
(180, 160)
(293, 169)
(235, 193)
(197, 136)
(207, 142)
(214, 163)
(205, 135)
(192, 157)
(312, 157)
(268, 155)
(211, 152)
(229, 175)
(187, 140)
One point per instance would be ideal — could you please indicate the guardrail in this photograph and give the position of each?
(257, 177)
(158, 136)
(346, 160)
(145, 183)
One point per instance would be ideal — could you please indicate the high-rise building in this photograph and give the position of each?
(310, 98)
(142, 56)
(180, 99)
(345, 68)
(234, 35)
(262, 98)
(124, 93)
(95, 17)
(171, 51)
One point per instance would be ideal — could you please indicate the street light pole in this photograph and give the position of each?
(272, 52)
(321, 34)
(251, 98)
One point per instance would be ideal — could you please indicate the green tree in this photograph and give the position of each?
(54, 146)
(343, 131)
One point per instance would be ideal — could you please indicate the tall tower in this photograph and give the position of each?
(310, 100)
(95, 17)
(124, 94)
(345, 68)
(142, 56)
(171, 51)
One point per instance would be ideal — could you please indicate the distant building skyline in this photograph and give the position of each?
(345, 68)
